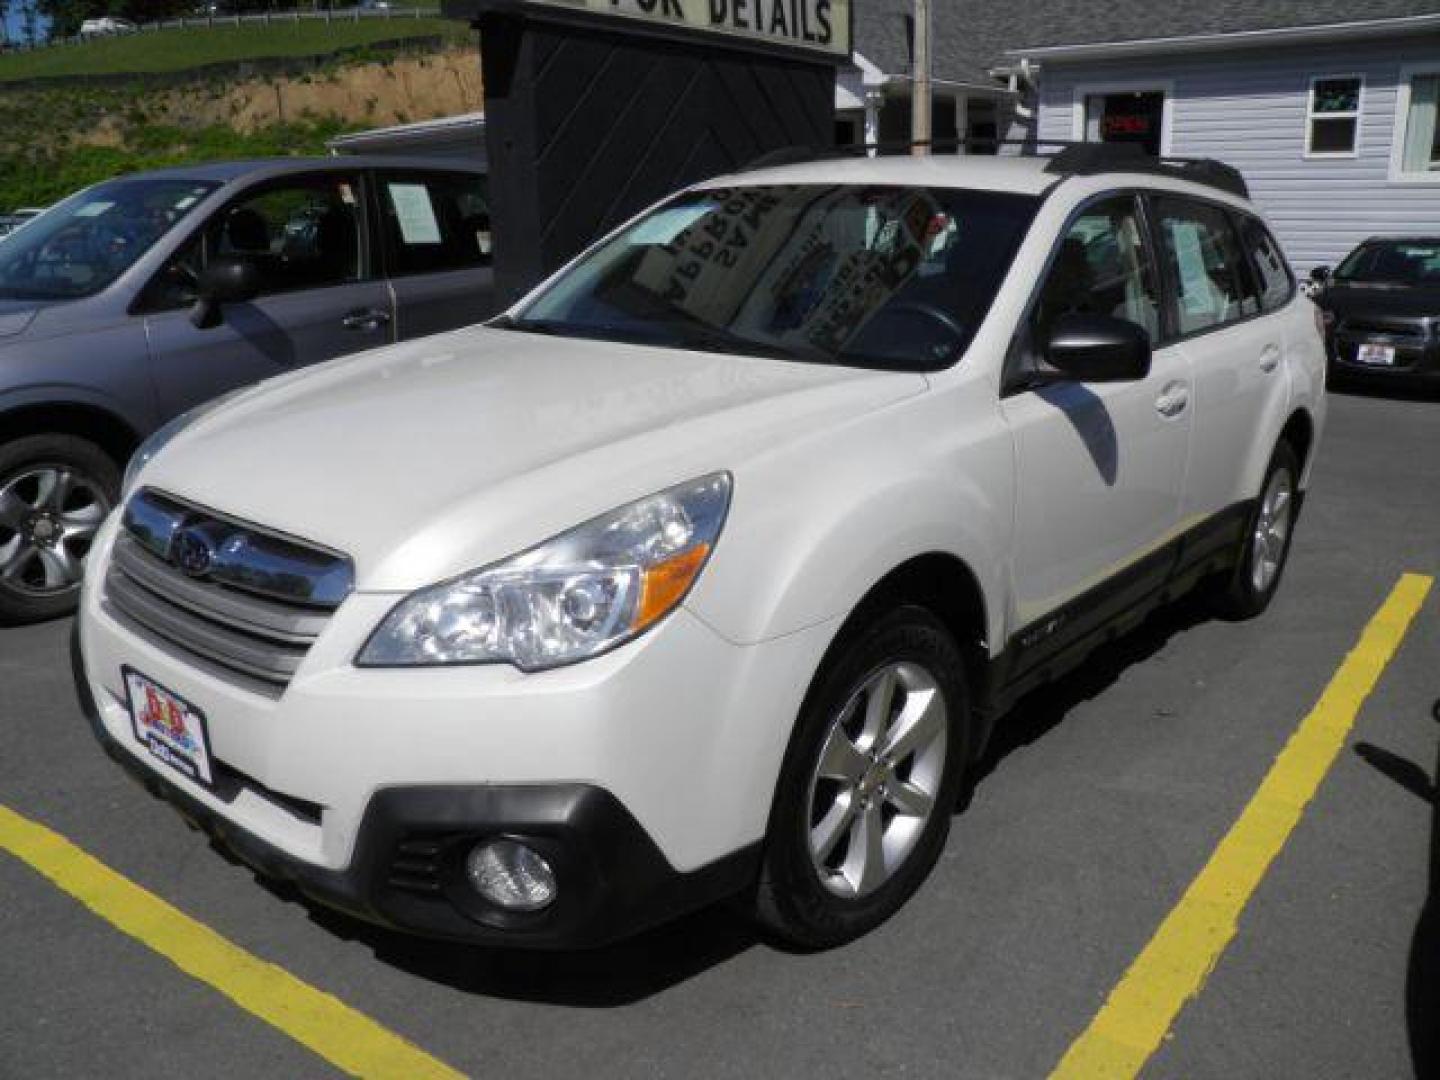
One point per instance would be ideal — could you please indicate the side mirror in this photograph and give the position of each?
(1098, 348)
(227, 280)
(1320, 275)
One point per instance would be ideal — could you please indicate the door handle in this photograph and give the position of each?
(1173, 399)
(365, 319)
(1269, 358)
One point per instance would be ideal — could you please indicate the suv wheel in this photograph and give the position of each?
(55, 490)
(1265, 545)
(868, 785)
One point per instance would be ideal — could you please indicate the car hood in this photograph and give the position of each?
(427, 459)
(1413, 303)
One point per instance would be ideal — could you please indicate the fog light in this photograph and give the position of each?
(510, 875)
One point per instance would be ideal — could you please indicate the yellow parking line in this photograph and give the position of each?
(1174, 965)
(346, 1038)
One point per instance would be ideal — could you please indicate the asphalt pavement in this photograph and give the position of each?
(1104, 797)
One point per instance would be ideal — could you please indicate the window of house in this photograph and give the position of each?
(1332, 123)
(1129, 116)
(1420, 133)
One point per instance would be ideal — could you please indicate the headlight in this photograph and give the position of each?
(571, 598)
(162, 436)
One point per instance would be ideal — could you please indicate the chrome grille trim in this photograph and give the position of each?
(243, 555)
(251, 612)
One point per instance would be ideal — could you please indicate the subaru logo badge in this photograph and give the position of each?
(192, 552)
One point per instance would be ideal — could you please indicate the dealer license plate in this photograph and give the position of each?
(1380, 355)
(169, 727)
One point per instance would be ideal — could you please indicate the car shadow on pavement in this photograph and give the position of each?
(1034, 715)
(1422, 978)
(1388, 388)
(624, 973)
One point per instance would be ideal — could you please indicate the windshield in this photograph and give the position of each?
(889, 277)
(1393, 263)
(86, 242)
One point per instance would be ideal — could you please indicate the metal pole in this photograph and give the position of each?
(920, 127)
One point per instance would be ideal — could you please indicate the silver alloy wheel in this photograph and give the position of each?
(1272, 530)
(49, 515)
(875, 782)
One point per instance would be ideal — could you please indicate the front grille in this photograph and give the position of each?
(417, 864)
(249, 603)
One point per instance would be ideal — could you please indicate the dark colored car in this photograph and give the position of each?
(1382, 309)
(137, 299)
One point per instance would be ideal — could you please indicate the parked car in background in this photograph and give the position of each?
(708, 567)
(107, 25)
(141, 297)
(1382, 309)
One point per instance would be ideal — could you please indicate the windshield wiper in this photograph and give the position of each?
(531, 326)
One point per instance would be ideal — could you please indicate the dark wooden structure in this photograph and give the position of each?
(589, 119)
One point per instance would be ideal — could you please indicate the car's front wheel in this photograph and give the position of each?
(55, 490)
(869, 783)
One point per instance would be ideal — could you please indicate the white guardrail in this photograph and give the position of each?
(257, 18)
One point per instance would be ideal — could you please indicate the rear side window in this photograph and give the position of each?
(1275, 281)
(1213, 284)
(434, 222)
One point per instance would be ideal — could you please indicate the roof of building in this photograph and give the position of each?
(463, 124)
(974, 36)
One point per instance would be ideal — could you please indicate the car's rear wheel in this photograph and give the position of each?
(1265, 545)
(55, 490)
(868, 785)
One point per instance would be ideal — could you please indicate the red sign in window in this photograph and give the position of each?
(1125, 125)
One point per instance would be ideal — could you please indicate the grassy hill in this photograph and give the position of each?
(255, 91)
(179, 50)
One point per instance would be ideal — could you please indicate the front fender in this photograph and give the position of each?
(815, 527)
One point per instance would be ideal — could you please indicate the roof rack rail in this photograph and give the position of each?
(1067, 158)
(1090, 159)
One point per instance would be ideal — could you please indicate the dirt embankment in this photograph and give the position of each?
(358, 93)
(392, 91)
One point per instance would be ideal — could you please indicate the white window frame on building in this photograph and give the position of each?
(1405, 139)
(1353, 116)
(1083, 92)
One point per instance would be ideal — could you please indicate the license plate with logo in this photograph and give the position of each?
(1379, 355)
(169, 727)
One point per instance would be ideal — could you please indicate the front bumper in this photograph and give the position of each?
(406, 867)
(1416, 352)
(406, 870)
(645, 775)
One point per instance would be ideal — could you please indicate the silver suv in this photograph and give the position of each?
(137, 299)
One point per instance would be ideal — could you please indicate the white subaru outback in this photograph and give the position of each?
(709, 567)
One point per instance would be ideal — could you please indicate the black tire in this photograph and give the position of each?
(792, 904)
(1238, 596)
(24, 598)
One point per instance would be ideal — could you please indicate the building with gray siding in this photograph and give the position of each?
(1327, 107)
